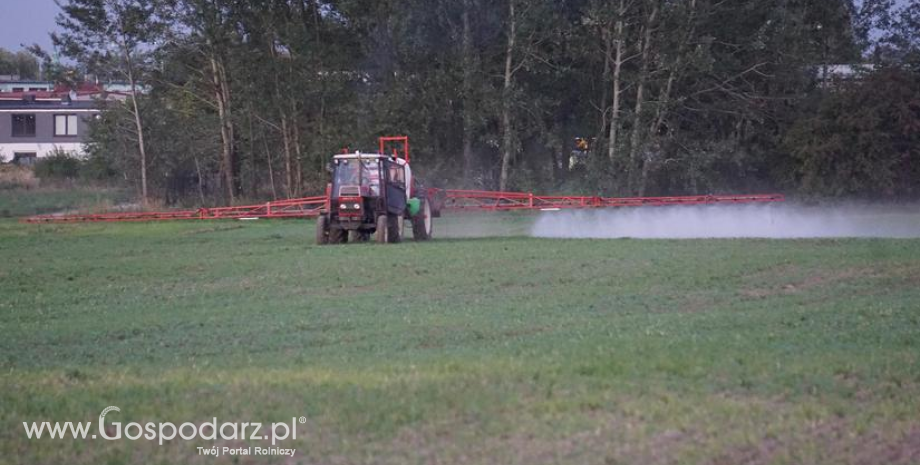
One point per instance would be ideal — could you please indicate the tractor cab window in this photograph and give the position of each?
(370, 176)
(355, 177)
(397, 174)
(346, 174)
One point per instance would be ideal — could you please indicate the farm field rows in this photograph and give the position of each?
(462, 350)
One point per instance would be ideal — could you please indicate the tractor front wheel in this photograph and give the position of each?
(337, 235)
(381, 235)
(395, 226)
(322, 230)
(357, 235)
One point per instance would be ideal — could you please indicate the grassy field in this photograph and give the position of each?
(38, 201)
(462, 350)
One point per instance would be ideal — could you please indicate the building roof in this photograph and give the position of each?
(31, 82)
(84, 91)
(56, 104)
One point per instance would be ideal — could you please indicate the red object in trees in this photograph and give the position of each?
(404, 140)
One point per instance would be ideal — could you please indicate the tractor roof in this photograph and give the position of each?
(367, 156)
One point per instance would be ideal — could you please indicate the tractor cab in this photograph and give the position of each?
(373, 193)
(366, 184)
(356, 175)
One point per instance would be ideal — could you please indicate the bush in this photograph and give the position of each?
(17, 177)
(59, 165)
(97, 168)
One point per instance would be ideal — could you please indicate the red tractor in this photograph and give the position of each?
(373, 194)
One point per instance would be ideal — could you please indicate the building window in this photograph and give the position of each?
(23, 125)
(65, 125)
(24, 158)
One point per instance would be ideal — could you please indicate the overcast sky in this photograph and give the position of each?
(26, 22)
(30, 21)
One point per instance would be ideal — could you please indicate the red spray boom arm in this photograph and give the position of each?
(442, 199)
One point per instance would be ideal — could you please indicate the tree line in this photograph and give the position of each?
(21, 63)
(249, 99)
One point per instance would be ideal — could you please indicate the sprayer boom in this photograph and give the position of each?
(449, 199)
(488, 200)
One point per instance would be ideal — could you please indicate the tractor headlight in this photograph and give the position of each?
(342, 206)
(357, 206)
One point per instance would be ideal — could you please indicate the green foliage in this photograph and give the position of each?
(21, 63)
(864, 138)
(97, 168)
(502, 350)
(59, 165)
(251, 98)
(66, 166)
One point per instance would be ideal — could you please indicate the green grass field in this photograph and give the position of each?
(39, 201)
(496, 350)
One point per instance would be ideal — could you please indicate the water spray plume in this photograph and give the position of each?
(786, 221)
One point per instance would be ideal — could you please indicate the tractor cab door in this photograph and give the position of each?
(396, 187)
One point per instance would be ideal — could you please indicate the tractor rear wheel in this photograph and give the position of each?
(322, 230)
(421, 223)
(381, 235)
(337, 235)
